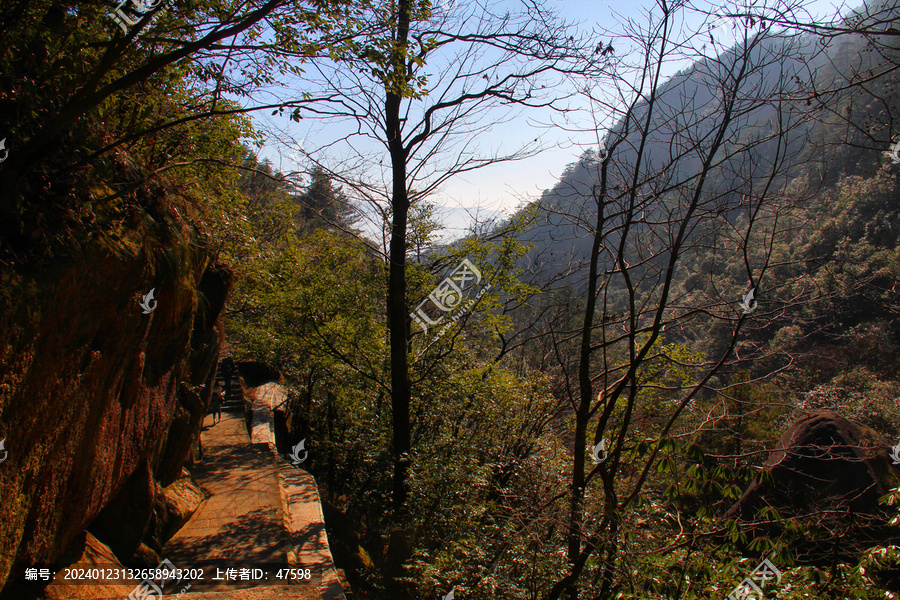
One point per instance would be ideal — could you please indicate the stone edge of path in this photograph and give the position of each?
(309, 511)
(262, 430)
(293, 481)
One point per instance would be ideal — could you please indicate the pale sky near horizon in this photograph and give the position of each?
(505, 186)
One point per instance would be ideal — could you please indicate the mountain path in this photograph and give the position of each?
(261, 512)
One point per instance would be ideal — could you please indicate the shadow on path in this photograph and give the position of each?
(260, 512)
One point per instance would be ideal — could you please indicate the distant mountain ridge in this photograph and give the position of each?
(687, 108)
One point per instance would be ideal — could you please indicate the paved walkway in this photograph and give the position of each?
(261, 512)
(240, 524)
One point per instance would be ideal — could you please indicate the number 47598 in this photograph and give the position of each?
(293, 574)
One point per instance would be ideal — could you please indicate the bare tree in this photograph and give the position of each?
(854, 52)
(695, 164)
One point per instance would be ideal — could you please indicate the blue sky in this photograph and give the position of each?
(505, 186)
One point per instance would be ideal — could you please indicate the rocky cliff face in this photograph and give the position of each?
(99, 402)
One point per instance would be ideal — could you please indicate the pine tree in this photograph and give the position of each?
(322, 205)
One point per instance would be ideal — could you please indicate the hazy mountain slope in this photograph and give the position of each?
(685, 116)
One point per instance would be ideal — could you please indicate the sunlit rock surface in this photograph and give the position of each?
(100, 404)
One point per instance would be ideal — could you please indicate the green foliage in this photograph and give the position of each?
(294, 305)
(479, 485)
(394, 64)
(100, 128)
(310, 302)
(499, 264)
(323, 205)
(861, 396)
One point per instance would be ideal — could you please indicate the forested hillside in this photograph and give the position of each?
(677, 363)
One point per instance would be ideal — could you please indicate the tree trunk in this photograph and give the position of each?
(398, 545)
(582, 415)
(396, 293)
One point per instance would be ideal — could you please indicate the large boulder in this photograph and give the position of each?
(122, 523)
(827, 473)
(175, 505)
(85, 552)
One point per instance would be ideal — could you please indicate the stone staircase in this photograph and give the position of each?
(233, 396)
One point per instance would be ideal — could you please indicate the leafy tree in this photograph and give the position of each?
(78, 94)
(426, 128)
